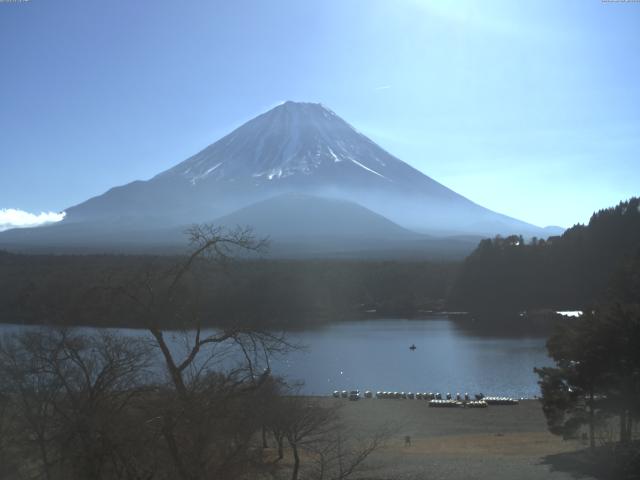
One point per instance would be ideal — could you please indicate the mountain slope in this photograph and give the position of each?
(299, 216)
(299, 225)
(295, 147)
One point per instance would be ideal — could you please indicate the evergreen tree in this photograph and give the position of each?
(597, 372)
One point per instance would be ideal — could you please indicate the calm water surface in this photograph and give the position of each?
(375, 355)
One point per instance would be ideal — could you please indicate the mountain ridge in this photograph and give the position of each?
(294, 148)
(303, 147)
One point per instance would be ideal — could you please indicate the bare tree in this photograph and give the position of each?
(90, 408)
(339, 454)
(268, 405)
(305, 423)
(192, 421)
(311, 426)
(31, 396)
(274, 411)
(5, 430)
(277, 425)
(69, 393)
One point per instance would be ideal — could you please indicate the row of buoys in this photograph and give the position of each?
(476, 404)
(435, 399)
(444, 403)
(500, 400)
(457, 403)
(351, 395)
(426, 396)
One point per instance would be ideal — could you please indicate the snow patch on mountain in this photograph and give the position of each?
(365, 167)
(194, 179)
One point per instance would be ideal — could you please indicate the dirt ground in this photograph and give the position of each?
(498, 442)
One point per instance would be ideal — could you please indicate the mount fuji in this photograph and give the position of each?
(295, 155)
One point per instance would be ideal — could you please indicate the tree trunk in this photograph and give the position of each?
(264, 437)
(296, 462)
(279, 440)
(172, 445)
(174, 372)
(623, 426)
(45, 460)
(592, 440)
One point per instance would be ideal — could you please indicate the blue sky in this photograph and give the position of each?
(528, 108)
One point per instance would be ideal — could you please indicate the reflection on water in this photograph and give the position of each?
(375, 355)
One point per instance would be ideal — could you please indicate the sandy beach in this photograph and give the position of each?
(498, 442)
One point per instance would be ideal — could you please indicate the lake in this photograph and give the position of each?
(375, 355)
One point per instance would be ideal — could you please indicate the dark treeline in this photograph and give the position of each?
(507, 275)
(289, 293)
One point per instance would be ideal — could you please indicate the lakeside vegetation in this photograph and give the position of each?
(500, 279)
(568, 272)
(34, 289)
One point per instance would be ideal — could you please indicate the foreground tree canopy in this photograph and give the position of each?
(597, 373)
(594, 388)
(105, 406)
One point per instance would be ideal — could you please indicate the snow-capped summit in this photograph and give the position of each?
(291, 139)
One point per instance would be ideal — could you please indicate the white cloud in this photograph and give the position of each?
(13, 218)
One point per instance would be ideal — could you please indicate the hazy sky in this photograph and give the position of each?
(528, 108)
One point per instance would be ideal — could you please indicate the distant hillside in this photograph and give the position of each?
(299, 216)
(565, 272)
(299, 225)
